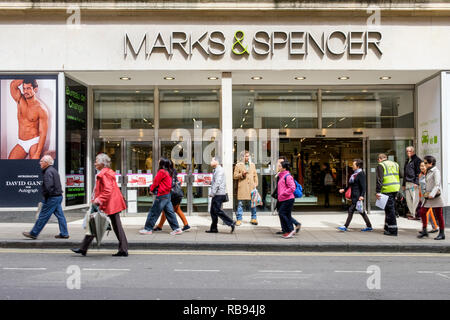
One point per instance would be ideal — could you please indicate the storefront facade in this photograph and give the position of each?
(320, 86)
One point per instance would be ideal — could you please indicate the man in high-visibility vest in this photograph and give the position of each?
(388, 183)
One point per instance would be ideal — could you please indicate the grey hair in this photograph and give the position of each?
(104, 159)
(411, 148)
(48, 159)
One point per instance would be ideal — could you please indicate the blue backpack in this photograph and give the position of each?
(298, 193)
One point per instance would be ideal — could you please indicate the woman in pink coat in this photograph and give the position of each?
(286, 198)
(109, 199)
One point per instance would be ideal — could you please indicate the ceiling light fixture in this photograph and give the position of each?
(169, 78)
(125, 78)
(385, 78)
(256, 78)
(344, 78)
(213, 78)
(300, 78)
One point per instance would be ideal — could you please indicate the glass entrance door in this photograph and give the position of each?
(194, 172)
(133, 163)
(113, 148)
(177, 152)
(139, 175)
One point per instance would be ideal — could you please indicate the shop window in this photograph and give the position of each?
(368, 109)
(268, 109)
(186, 108)
(76, 143)
(124, 110)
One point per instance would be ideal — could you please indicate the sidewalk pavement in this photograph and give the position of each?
(318, 233)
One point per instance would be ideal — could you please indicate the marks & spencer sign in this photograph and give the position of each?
(262, 44)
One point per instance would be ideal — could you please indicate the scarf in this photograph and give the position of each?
(352, 178)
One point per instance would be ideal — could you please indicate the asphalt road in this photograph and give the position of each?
(59, 274)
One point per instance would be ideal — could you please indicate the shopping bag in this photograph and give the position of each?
(256, 199)
(360, 206)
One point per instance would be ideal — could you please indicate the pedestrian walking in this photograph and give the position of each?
(109, 199)
(245, 173)
(52, 194)
(411, 181)
(297, 225)
(162, 184)
(176, 203)
(218, 193)
(357, 184)
(433, 197)
(427, 212)
(286, 198)
(388, 183)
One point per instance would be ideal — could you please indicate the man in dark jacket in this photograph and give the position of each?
(411, 181)
(52, 192)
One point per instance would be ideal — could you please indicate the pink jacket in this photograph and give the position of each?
(286, 187)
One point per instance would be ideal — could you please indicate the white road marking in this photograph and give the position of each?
(280, 271)
(438, 273)
(189, 270)
(26, 269)
(91, 269)
(344, 271)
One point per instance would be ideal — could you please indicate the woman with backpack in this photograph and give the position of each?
(356, 189)
(176, 198)
(286, 188)
(163, 185)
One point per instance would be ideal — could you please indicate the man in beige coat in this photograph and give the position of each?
(245, 173)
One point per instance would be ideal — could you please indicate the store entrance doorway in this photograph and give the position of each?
(322, 166)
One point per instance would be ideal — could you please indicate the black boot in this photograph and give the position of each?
(441, 235)
(422, 234)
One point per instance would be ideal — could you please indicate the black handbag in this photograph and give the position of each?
(226, 198)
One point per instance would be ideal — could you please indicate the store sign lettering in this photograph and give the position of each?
(261, 43)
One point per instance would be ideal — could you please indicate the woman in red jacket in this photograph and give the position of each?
(163, 183)
(109, 199)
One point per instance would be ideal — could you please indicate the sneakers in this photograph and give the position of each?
(176, 232)
(343, 228)
(254, 222)
(238, 223)
(366, 229)
(157, 229)
(186, 227)
(288, 234)
(145, 232)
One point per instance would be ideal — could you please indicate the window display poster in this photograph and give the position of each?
(28, 127)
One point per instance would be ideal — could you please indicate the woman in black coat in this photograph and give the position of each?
(357, 183)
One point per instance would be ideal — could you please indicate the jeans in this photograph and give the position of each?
(216, 212)
(240, 209)
(285, 214)
(51, 205)
(161, 203)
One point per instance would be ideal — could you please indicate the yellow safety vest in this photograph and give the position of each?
(391, 177)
